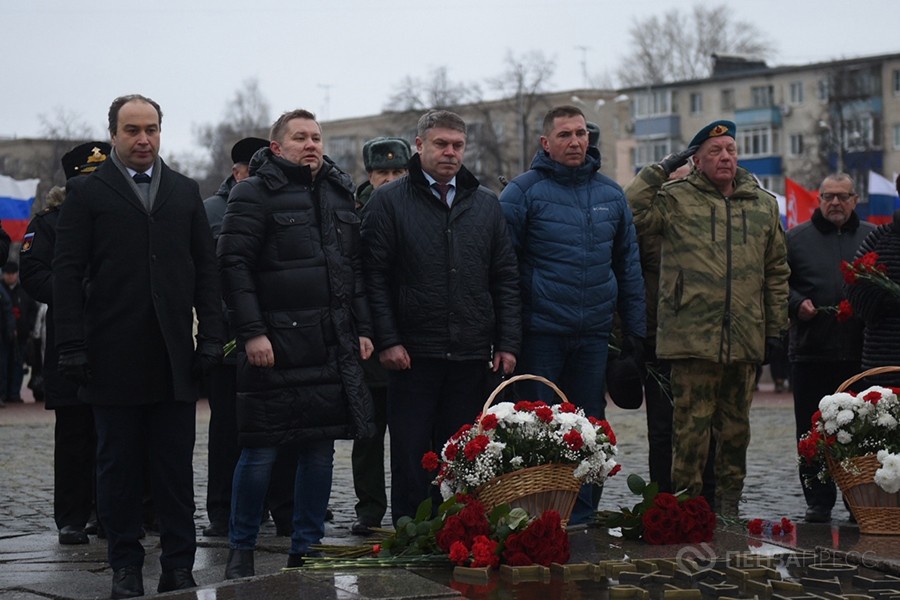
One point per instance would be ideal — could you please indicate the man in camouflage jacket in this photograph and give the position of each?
(722, 305)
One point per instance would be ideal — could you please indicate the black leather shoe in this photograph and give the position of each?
(817, 514)
(176, 579)
(361, 528)
(240, 564)
(216, 529)
(295, 560)
(329, 516)
(70, 535)
(127, 582)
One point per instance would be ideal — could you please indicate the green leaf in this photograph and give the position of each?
(636, 483)
(411, 529)
(423, 513)
(651, 491)
(423, 529)
(402, 522)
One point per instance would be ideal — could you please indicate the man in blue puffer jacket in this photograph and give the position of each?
(578, 257)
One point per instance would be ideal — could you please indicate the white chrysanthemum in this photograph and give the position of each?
(516, 462)
(888, 476)
(502, 410)
(886, 420)
(844, 437)
(844, 417)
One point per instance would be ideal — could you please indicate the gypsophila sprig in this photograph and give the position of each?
(851, 425)
(509, 437)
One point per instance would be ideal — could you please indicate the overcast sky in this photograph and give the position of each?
(341, 58)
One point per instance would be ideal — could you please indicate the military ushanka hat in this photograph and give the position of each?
(243, 150)
(386, 153)
(714, 129)
(593, 134)
(84, 158)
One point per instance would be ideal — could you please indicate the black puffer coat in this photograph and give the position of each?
(289, 256)
(878, 307)
(443, 282)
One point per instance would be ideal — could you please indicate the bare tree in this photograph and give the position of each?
(522, 87)
(437, 92)
(64, 124)
(679, 46)
(246, 114)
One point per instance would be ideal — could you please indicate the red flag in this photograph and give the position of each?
(801, 203)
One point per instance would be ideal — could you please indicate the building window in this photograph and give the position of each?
(696, 103)
(755, 141)
(796, 144)
(727, 99)
(762, 96)
(861, 133)
(652, 151)
(824, 90)
(896, 137)
(651, 104)
(796, 92)
(895, 82)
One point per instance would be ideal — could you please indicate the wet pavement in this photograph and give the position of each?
(33, 565)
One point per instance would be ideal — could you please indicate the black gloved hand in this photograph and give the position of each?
(673, 161)
(773, 347)
(73, 365)
(633, 346)
(206, 356)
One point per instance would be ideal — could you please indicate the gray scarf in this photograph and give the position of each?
(154, 180)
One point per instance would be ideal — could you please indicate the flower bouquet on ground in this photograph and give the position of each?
(463, 533)
(855, 439)
(527, 454)
(662, 518)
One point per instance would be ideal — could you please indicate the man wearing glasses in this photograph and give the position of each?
(823, 351)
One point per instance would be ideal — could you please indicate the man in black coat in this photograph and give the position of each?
(134, 258)
(824, 350)
(74, 438)
(443, 287)
(292, 273)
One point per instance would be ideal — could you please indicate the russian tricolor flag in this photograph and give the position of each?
(883, 199)
(16, 198)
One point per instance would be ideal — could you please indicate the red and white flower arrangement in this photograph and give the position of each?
(849, 425)
(512, 436)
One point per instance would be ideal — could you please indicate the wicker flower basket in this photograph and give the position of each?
(876, 511)
(534, 489)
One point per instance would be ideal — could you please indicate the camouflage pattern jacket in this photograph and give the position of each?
(723, 275)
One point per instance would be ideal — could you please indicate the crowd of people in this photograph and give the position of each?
(397, 306)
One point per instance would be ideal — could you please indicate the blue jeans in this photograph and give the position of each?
(312, 487)
(577, 364)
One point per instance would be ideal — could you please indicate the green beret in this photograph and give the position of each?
(714, 129)
(386, 153)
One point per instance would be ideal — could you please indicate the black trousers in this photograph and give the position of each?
(426, 405)
(368, 466)
(812, 381)
(223, 442)
(74, 473)
(126, 435)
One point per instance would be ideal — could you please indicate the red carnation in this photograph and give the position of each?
(450, 451)
(615, 470)
(544, 413)
(567, 407)
(489, 422)
(872, 397)
(476, 446)
(665, 501)
(786, 525)
(755, 526)
(608, 430)
(461, 432)
(848, 273)
(484, 551)
(523, 406)
(574, 439)
(459, 554)
(844, 312)
(430, 461)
